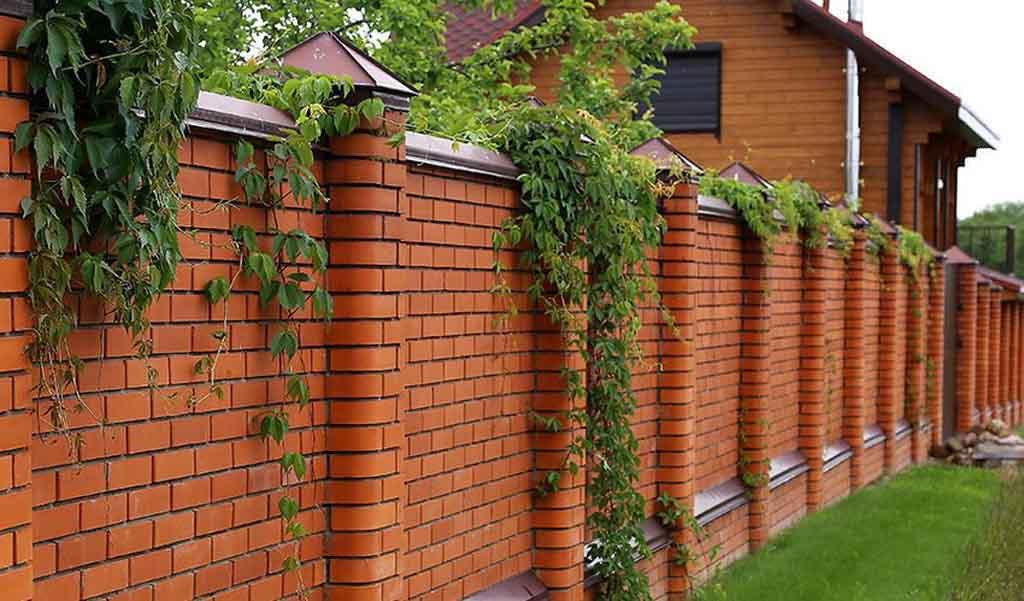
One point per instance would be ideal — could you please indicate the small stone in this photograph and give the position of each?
(999, 428)
(954, 444)
(987, 437)
(970, 439)
(995, 451)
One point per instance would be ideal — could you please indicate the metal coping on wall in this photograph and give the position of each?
(16, 8)
(873, 436)
(903, 430)
(226, 114)
(710, 206)
(719, 501)
(836, 454)
(433, 151)
(656, 537)
(524, 587)
(787, 468)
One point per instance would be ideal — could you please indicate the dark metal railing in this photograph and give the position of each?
(994, 245)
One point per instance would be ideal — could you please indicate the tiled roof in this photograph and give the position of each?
(471, 29)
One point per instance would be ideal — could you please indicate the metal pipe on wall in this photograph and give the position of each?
(856, 15)
(852, 127)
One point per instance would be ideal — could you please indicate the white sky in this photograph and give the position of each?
(973, 48)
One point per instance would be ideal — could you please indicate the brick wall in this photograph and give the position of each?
(468, 467)
(423, 454)
(719, 308)
(16, 492)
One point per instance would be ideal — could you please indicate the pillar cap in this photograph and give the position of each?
(328, 53)
(666, 156)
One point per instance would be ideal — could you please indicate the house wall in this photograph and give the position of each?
(784, 111)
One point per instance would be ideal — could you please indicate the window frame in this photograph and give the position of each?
(703, 48)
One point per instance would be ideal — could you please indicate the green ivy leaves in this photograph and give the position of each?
(217, 290)
(801, 208)
(590, 219)
(118, 84)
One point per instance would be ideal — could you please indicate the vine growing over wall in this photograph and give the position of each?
(118, 83)
(591, 217)
(788, 205)
(290, 274)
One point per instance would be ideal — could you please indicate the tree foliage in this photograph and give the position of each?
(406, 35)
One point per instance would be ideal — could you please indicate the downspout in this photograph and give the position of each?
(853, 111)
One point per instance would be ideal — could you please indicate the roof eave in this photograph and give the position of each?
(969, 125)
(976, 131)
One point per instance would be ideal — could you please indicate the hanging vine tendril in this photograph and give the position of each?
(115, 83)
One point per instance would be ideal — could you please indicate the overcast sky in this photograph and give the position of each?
(974, 49)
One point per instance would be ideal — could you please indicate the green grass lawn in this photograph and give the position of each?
(897, 540)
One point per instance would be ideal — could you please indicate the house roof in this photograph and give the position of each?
(469, 30)
(970, 126)
(472, 29)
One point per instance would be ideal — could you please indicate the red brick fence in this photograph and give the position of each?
(822, 371)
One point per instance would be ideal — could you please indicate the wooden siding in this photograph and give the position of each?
(783, 110)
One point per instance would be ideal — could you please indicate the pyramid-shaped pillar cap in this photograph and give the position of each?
(329, 54)
(667, 157)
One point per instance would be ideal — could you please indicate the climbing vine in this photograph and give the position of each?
(878, 240)
(116, 83)
(914, 251)
(788, 205)
(591, 216)
(119, 81)
(680, 521)
(289, 274)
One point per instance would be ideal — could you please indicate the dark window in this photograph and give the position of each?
(691, 91)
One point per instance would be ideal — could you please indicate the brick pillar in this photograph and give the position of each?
(917, 413)
(677, 378)
(365, 388)
(559, 517)
(967, 339)
(854, 362)
(889, 373)
(936, 350)
(16, 421)
(982, 402)
(995, 352)
(755, 385)
(1005, 332)
(1010, 337)
(1012, 334)
(812, 374)
(1018, 362)
(1019, 385)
